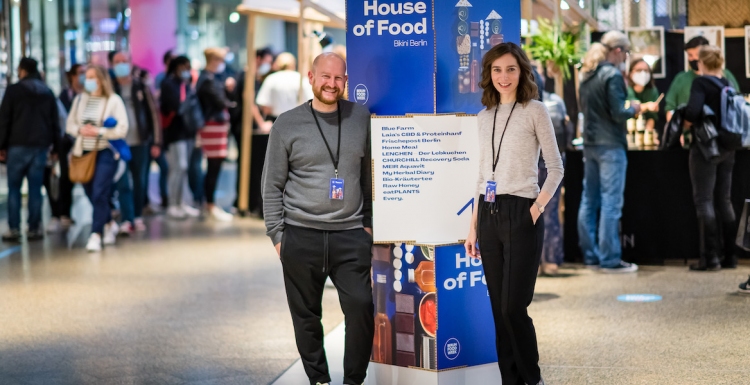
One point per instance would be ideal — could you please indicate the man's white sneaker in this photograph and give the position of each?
(110, 233)
(139, 225)
(622, 268)
(94, 244)
(191, 211)
(176, 212)
(126, 229)
(221, 215)
(54, 225)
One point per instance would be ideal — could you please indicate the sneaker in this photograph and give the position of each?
(66, 222)
(745, 287)
(126, 229)
(12, 236)
(95, 243)
(191, 211)
(110, 233)
(139, 225)
(176, 212)
(622, 268)
(54, 225)
(221, 215)
(34, 235)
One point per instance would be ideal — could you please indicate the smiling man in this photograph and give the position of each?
(317, 204)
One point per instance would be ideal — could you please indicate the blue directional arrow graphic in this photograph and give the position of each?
(468, 204)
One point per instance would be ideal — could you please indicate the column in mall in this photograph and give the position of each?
(418, 73)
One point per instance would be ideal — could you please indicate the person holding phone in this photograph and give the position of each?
(86, 123)
(505, 226)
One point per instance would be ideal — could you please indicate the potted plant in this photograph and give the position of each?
(557, 49)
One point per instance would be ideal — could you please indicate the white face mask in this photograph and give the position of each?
(641, 78)
(264, 69)
(220, 69)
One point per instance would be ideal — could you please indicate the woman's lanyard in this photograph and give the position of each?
(336, 189)
(491, 189)
(496, 157)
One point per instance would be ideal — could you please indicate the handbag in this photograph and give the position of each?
(191, 112)
(706, 135)
(82, 168)
(743, 233)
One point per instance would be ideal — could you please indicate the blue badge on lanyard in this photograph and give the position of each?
(337, 189)
(490, 191)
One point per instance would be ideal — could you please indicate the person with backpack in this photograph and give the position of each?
(711, 177)
(180, 129)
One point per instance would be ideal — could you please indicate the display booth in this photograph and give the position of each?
(416, 65)
(433, 322)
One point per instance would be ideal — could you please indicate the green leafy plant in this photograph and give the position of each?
(556, 47)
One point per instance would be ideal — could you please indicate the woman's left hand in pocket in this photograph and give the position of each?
(535, 214)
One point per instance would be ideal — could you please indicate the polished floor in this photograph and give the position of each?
(201, 302)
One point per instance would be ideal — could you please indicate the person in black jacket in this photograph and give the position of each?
(144, 139)
(29, 126)
(179, 135)
(711, 178)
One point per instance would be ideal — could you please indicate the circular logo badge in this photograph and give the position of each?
(361, 94)
(452, 349)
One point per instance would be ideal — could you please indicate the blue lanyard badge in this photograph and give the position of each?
(490, 191)
(337, 189)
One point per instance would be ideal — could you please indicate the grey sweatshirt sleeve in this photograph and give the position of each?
(275, 173)
(545, 134)
(366, 181)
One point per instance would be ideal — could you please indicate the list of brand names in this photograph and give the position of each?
(410, 159)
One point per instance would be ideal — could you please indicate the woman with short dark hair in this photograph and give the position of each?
(505, 224)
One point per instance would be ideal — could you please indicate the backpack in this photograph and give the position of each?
(734, 130)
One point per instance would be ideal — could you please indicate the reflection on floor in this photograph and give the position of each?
(203, 302)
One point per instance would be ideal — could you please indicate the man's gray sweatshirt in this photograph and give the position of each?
(298, 171)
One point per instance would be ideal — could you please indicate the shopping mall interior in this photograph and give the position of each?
(198, 294)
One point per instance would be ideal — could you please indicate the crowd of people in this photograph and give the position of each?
(124, 121)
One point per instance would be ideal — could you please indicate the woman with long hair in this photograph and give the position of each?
(505, 225)
(86, 124)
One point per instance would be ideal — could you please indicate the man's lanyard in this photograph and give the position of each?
(496, 157)
(338, 148)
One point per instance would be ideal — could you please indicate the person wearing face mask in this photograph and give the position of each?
(641, 88)
(261, 128)
(214, 135)
(603, 94)
(144, 139)
(679, 90)
(86, 124)
(179, 133)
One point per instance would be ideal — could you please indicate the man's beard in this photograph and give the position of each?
(318, 92)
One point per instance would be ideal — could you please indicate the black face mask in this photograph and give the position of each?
(694, 65)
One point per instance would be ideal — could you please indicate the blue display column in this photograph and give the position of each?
(433, 322)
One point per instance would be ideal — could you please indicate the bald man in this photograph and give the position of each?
(144, 139)
(317, 204)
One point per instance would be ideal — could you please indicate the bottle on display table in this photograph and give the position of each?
(382, 345)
